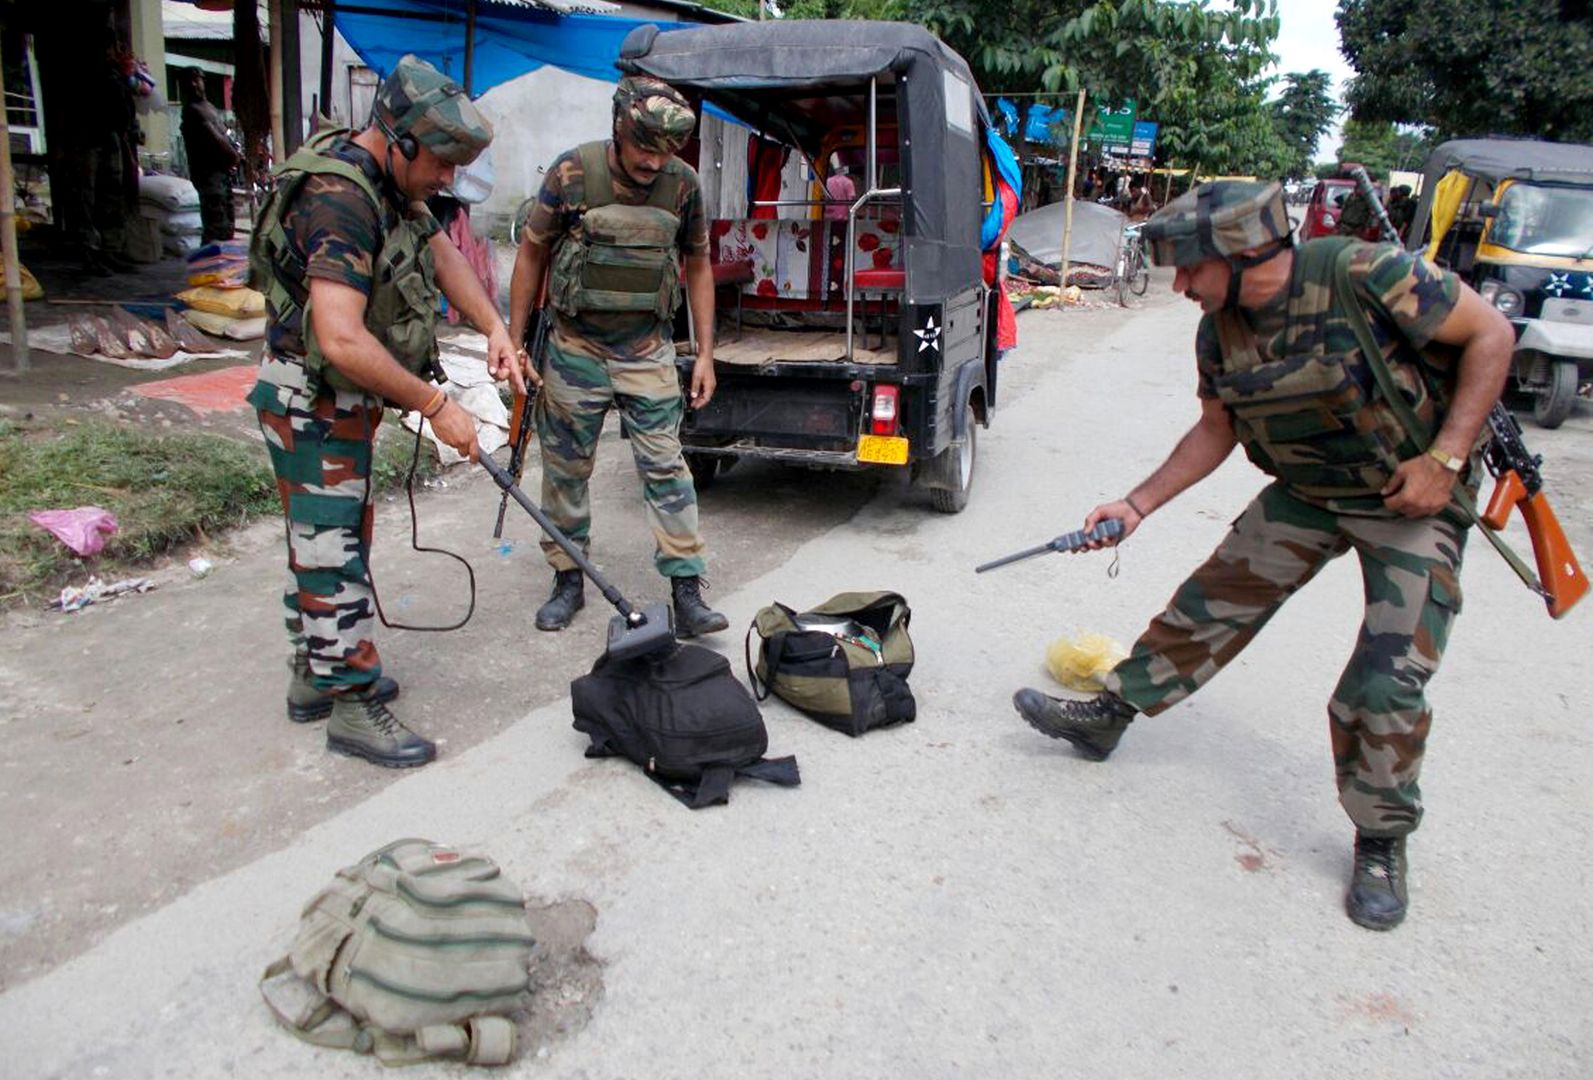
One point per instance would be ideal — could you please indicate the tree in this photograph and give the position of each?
(1382, 148)
(1302, 115)
(1472, 67)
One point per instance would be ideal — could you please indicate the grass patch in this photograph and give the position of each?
(165, 490)
(395, 444)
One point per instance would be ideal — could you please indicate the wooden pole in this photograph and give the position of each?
(8, 239)
(328, 40)
(1067, 212)
(274, 80)
(292, 81)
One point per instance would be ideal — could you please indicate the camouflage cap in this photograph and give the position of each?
(1216, 221)
(653, 114)
(417, 99)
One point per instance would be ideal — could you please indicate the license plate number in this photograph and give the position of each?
(882, 449)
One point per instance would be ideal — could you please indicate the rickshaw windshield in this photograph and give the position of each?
(1544, 220)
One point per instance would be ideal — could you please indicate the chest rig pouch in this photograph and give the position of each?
(401, 311)
(618, 258)
(1312, 417)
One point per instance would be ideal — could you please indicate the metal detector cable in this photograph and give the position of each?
(414, 536)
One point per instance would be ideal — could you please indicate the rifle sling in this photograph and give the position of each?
(1408, 419)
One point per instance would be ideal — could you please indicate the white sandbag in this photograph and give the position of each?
(222, 326)
(183, 223)
(168, 192)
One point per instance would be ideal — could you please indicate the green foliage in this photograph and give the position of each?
(1382, 148)
(164, 491)
(1301, 116)
(1472, 67)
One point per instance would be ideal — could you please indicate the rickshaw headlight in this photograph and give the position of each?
(1328, 220)
(1507, 300)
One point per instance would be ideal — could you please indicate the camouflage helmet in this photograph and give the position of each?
(420, 101)
(653, 114)
(1217, 221)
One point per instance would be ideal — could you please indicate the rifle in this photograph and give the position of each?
(1560, 580)
(520, 418)
(1108, 529)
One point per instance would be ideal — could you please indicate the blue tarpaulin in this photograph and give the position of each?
(510, 42)
(1044, 124)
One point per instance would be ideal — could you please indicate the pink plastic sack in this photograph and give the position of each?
(83, 530)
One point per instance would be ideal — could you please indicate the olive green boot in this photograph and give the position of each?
(364, 727)
(308, 702)
(1093, 726)
(1377, 898)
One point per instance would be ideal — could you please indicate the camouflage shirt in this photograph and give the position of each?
(553, 218)
(334, 228)
(1418, 296)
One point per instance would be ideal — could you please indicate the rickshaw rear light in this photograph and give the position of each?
(884, 414)
(1507, 300)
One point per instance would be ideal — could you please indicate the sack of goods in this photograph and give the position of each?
(173, 204)
(234, 313)
(844, 663)
(224, 265)
(418, 951)
(684, 717)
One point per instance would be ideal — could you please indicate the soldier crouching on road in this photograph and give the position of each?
(1280, 372)
(350, 262)
(614, 219)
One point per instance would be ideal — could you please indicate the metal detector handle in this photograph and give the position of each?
(1078, 539)
(610, 593)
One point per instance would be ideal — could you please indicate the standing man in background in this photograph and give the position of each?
(211, 158)
(607, 234)
(350, 260)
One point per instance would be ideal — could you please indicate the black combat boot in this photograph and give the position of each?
(307, 702)
(692, 616)
(1377, 899)
(364, 727)
(568, 597)
(1093, 725)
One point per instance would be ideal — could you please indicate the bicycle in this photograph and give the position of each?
(1132, 272)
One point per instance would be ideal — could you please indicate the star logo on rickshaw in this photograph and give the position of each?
(929, 336)
(1558, 285)
(1587, 286)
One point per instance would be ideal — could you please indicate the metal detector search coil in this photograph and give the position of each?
(1108, 529)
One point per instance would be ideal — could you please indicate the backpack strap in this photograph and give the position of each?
(312, 1017)
(1408, 419)
(714, 787)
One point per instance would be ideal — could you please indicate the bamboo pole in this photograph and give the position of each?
(1067, 212)
(8, 240)
(470, 43)
(274, 81)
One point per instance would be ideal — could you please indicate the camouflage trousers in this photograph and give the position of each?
(1378, 716)
(321, 453)
(577, 392)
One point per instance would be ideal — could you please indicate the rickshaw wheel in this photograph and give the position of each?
(1554, 404)
(704, 469)
(957, 466)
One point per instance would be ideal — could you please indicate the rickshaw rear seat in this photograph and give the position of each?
(733, 275)
(881, 280)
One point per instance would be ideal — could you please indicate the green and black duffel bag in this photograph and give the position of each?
(845, 662)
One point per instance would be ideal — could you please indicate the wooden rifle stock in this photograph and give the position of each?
(1559, 573)
(520, 420)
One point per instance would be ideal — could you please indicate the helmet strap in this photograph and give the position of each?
(1237, 267)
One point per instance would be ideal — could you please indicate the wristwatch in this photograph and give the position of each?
(1448, 461)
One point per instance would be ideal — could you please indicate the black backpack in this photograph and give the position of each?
(683, 717)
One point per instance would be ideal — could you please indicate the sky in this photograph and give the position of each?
(1309, 38)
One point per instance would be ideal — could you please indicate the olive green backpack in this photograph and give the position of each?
(416, 952)
(844, 663)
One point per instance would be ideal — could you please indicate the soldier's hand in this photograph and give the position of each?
(457, 428)
(702, 382)
(1122, 511)
(1419, 488)
(504, 361)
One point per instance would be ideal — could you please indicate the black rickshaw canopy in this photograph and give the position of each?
(798, 80)
(1493, 160)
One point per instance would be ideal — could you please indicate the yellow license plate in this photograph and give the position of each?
(882, 449)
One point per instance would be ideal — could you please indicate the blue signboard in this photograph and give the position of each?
(1143, 143)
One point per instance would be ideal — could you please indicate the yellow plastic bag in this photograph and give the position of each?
(1079, 662)
(234, 303)
(31, 289)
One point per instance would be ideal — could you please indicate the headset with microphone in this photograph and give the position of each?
(406, 143)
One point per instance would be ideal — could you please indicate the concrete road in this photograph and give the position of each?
(958, 897)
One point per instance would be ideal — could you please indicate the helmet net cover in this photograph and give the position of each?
(418, 100)
(653, 114)
(1217, 220)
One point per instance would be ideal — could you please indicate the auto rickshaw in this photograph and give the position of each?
(849, 174)
(1514, 218)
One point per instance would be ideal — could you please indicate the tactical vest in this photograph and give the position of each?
(401, 311)
(618, 258)
(1312, 417)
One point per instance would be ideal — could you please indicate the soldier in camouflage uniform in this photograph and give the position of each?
(606, 235)
(1281, 373)
(350, 263)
